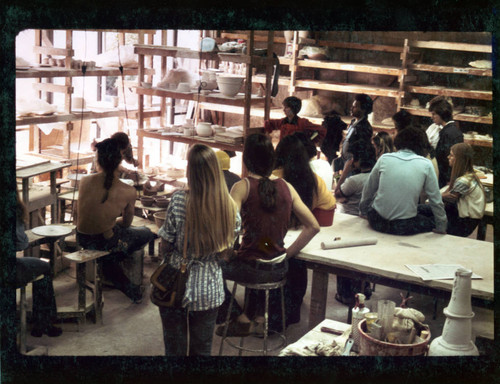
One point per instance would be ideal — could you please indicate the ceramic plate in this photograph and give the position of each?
(52, 230)
(22, 68)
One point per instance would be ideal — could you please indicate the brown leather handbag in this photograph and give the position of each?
(168, 284)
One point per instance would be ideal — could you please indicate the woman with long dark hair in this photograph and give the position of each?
(266, 204)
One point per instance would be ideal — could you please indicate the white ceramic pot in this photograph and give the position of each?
(229, 85)
(204, 129)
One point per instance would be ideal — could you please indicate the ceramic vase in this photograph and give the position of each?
(456, 339)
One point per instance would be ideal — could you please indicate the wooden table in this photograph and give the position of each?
(316, 336)
(384, 263)
(25, 171)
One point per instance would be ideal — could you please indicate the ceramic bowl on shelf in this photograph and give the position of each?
(204, 129)
(146, 85)
(189, 131)
(229, 85)
(147, 201)
(162, 203)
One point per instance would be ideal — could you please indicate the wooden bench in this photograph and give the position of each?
(81, 258)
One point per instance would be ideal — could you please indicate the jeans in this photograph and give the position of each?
(44, 302)
(422, 222)
(175, 331)
(123, 243)
(459, 226)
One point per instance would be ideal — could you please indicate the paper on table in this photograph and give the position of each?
(437, 271)
(349, 243)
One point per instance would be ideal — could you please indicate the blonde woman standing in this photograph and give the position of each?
(212, 221)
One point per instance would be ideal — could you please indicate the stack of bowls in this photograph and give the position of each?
(229, 85)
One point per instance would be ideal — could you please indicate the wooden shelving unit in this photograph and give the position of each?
(44, 46)
(468, 95)
(243, 103)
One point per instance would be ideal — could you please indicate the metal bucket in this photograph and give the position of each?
(370, 346)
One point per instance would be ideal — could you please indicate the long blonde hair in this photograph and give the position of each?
(464, 155)
(210, 210)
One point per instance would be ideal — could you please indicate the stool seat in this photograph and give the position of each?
(268, 286)
(81, 258)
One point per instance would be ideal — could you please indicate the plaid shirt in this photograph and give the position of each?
(205, 286)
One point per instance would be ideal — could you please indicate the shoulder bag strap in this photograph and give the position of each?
(184, 251)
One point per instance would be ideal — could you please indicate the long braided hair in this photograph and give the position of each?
(108, 158)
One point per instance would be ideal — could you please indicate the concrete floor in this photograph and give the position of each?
(135, 329)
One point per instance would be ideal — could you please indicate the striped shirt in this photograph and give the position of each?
(205, 285)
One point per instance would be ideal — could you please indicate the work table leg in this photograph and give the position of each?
(319, 292)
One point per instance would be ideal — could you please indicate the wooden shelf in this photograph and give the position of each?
(453, 92)
(419, 111)
(448, 69)
(214, 97)
(43, 72)
(158, 50)
(154, 134)
(453, 46)
(86, 115)
(348, 88)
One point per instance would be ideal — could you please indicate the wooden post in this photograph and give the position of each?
(140, 115)
(269, 74)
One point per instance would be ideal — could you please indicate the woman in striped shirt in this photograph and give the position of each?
(212, 221)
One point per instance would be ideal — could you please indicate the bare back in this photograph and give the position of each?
(95, 217)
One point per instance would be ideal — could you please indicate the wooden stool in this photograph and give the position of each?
(23, 309)
(265, 287)
(81, 258)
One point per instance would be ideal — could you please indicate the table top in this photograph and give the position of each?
(388, 257)
(315, 336)
(39, 169)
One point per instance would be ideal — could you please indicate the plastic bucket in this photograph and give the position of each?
(369, 346)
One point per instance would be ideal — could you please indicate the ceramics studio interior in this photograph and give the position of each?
(371, 235)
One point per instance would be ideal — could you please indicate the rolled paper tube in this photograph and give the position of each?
(349, 243)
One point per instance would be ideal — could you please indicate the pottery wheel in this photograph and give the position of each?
(52, 230)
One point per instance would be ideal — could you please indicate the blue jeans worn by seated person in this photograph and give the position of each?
(122, 244)
(422, 222)
(175, 328)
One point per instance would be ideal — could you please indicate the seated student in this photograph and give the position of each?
(391, 194)
(402, 119)
(442, 114)
(27, 269)
(266, 204)
(319, 166)
(292, 122)
(348, 193)
(102, 199)
(464, 199)
(292, 164)
(225, 163)
(349, 189)
(383, 143)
